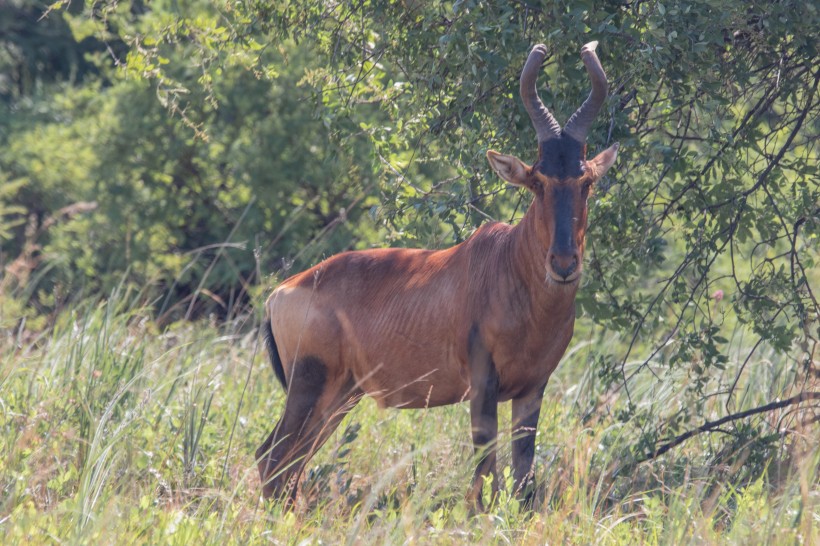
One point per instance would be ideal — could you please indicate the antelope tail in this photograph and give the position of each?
(273, 353)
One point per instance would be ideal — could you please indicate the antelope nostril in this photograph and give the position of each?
(564, 266)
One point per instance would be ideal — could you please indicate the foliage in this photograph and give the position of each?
(9, 214)
(36, 51)
(191, 207)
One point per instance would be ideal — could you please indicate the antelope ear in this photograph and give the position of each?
(602, 162)
(510, 168)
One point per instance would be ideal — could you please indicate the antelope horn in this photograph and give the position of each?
(578, 125)
(545, 125)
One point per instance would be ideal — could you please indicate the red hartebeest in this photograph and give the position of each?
(487, 320)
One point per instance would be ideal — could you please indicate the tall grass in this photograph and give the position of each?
(114, 433)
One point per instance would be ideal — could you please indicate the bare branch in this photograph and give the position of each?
(713, 425)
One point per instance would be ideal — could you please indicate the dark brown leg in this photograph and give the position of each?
(483, 416)
(525, 412)
(313, 410)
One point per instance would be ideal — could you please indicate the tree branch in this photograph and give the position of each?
(712, 425)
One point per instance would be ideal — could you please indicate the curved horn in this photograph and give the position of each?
(578, 125)
(545, 125)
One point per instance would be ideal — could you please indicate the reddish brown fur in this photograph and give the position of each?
(423, 328)
(398, 319)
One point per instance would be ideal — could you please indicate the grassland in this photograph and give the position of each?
(114, 432)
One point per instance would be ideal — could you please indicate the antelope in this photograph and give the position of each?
(486, 320)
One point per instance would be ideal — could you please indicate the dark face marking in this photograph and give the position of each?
(564, 201)
(560, 158)
(563, 238)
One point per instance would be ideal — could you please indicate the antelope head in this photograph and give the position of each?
(562, 177)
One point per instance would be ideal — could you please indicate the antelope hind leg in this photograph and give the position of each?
(313, 410)
(276, 456)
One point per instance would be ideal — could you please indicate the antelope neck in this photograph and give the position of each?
(531, 246)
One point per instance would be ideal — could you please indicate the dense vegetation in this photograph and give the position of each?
(177, 158)
(113, 432)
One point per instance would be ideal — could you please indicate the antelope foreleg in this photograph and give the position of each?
(483, 416)
(525, 412)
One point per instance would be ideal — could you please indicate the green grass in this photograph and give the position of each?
(116, 433)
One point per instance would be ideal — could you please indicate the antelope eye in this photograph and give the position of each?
(585, 188)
